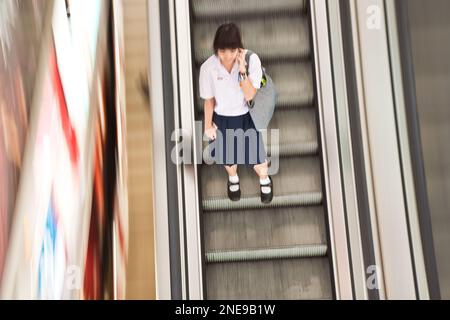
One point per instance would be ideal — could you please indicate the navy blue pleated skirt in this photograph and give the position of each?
(237, 141)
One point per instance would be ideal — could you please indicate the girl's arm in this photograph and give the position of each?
(207, 93)
(246, 85)
(210, 129)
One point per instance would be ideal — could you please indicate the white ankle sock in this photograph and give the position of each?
(234, 179)
(263, 182)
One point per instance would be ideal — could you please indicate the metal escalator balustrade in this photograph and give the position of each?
(284, 242)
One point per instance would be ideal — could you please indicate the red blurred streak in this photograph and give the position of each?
(68, 130)
(93, 280)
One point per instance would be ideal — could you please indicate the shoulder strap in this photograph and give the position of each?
(247, 58)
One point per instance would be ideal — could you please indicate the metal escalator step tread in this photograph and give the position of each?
(261, 228)
(290, 126)
(294, 84)
(293, 252)
(212, 9)
(285, 38)
(298, 149)
(306, 148)
(273, 279)
(285, 201)
(283, 105)
(295, 124)
(295, 175)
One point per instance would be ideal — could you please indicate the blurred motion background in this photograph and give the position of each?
(20, 42)
(64, 216)
(92, 208)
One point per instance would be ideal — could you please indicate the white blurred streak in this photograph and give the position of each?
(8, 12)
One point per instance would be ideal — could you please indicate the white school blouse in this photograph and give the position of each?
(216, 82)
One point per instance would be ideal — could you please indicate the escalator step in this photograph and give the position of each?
(218, 9)
(287, 150)
(294, 252)
(286, 38)
(294, 126)
(298, 149)
(296, 200)
(284, 242)
(290, 279)
(293, 81)
(281, 106)
(301, 149)
(295, 175)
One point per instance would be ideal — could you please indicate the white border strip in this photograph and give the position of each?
(414, 223)
(388, 212)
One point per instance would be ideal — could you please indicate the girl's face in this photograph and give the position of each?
(228, 56)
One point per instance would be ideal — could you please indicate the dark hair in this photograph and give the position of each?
(228, 36)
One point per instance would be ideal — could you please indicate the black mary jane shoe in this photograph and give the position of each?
(267, 197)
(234, 195)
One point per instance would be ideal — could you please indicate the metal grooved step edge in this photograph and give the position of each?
(296, 200)
(295, 252)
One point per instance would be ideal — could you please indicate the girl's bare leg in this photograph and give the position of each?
(262, 170)
(232, 170)
(233, 177)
